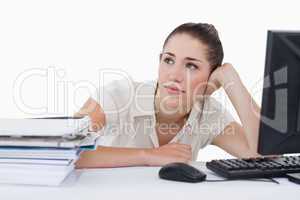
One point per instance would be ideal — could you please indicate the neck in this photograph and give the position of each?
(168, 118)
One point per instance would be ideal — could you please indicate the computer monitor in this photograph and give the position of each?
(279, 131)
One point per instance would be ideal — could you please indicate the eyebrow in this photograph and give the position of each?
(187, 58)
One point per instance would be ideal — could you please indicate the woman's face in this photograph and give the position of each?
(183, 73)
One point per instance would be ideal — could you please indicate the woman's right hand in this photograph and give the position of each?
(169, 153)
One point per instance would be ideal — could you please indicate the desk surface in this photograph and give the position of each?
(143, 183)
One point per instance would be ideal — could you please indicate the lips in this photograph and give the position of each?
(174, 90)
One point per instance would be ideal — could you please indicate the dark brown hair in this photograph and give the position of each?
(207, 34)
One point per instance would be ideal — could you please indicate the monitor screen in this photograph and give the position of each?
(279, 131)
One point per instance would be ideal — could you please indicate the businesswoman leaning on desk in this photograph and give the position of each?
(179, 117)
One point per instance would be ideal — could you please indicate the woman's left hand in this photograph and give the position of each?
(222, 76)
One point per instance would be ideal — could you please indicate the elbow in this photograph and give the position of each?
(250, 154)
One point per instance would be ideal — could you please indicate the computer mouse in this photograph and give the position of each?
(181, 172)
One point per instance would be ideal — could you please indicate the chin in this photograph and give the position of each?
(171, 105)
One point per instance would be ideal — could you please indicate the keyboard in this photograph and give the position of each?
(267, 167)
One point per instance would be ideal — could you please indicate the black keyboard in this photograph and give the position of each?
(255, 167)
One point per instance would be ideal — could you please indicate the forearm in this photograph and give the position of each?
(124, 157)
(112, 157)
(247, 109)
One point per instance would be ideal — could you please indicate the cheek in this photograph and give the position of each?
(163, 73)
(197, 84)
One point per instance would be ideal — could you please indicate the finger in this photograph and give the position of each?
(185, 146)
(182, 152)
(183, 159)
(181, 144)
(175, 159)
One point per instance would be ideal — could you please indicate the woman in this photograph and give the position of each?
(178, 116)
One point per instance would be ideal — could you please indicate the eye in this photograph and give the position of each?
(192, 66)
(169, 61)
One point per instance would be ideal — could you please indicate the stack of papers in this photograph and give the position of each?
(42, 151)
(55, 126)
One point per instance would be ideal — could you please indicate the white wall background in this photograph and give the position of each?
(79, 38)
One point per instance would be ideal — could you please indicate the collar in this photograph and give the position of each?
(193, 118)
(143, 103)
(195, 112)
(143, 106)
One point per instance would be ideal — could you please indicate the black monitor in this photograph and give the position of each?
(279, 131)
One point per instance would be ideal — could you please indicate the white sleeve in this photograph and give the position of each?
(114, 99)
(106, 99)
(218, 117)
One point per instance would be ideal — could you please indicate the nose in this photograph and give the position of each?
(176, 74)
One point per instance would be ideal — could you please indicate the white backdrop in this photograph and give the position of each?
(51, 51)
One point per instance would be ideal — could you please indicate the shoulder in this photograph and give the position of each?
(210, 114)
(216, 115)
(212, 102)
(127, 85)
(125, 90)
(214, 106)
(119, 95)
(213, 120)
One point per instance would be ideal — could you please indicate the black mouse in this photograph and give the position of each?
(181, 172)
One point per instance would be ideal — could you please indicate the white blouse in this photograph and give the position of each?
(130, 117)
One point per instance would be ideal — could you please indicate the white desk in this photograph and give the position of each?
(143, 183)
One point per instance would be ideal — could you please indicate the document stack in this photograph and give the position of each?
(42, 151)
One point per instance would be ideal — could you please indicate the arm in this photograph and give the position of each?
(111, 157)
(121, 157)
(248, 112)
(95, 112)
(233, 140)
(124, 157)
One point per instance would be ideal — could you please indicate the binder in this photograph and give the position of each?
(49, 126)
